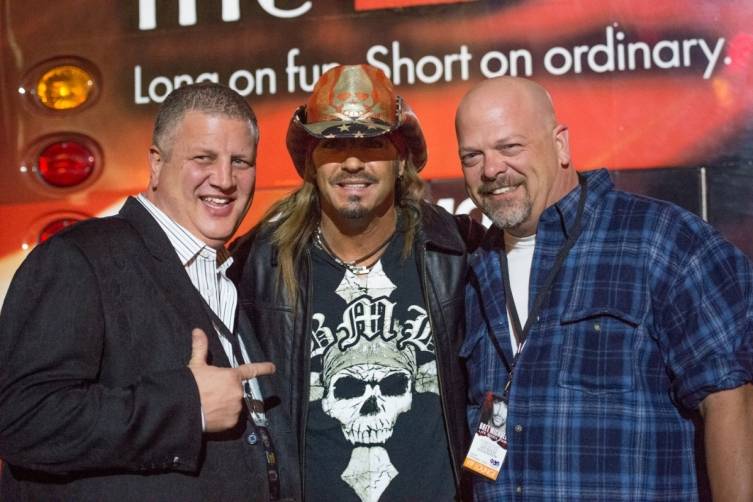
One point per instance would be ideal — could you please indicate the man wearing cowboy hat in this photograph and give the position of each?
(355, 288)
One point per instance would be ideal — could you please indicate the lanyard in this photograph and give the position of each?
(521, 332)
(252, 405)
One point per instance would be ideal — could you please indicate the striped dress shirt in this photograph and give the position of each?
(207, 269)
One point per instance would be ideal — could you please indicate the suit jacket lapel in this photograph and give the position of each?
(173, 281)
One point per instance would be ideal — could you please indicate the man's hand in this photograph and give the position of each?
(220, 389)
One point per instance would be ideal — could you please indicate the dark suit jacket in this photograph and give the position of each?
(96, 401)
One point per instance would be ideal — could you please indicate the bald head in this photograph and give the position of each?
(525, 99)
(514, 153)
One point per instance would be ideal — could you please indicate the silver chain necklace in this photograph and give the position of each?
(353, 265)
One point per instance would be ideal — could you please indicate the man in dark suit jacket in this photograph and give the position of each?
(105, 393)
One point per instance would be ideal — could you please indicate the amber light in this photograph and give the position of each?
(64, 87)
(65, 164)
(54, 227)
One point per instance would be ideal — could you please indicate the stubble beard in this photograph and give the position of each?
(508, 215)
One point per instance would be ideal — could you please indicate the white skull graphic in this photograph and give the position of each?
(367, 399)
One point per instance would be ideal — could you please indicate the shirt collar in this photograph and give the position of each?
(188, 247)
(561, 215)
(564, 212)
(599, 183)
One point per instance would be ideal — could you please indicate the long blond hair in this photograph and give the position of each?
(295, 219)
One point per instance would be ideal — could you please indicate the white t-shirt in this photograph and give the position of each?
(519, 260)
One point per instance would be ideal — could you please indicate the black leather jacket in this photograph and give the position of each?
(283, 329)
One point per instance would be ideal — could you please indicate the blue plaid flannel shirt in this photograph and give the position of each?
(651, 311)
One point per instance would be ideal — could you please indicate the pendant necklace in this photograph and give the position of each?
(354, 266)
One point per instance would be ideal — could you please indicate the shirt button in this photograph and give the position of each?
(518, 489)
(518, 428)
(251, 438)
(176, 460)
(597, 327)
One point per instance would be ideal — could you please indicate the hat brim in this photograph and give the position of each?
(302, 138)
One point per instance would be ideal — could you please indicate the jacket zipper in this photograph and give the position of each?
(450, 444)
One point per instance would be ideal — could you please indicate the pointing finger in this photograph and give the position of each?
(252, 370)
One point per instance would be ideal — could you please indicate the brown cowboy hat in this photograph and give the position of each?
(354, 101)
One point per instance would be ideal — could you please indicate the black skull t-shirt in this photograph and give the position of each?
(375, 428)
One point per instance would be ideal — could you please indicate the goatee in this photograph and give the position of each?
(354, 210)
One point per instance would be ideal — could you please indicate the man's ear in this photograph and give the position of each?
(156, 161)
(562, 143)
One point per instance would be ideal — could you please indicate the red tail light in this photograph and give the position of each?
(54, 227)
(65, 164)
